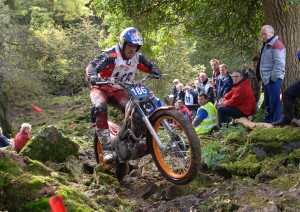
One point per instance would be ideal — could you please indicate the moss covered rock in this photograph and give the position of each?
(49, 144)
(274, 136)
(269, 142)
(248, 166)
(236, 137)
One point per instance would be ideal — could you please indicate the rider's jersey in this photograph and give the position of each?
(113, 63)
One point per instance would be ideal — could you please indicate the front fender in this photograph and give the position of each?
(167, 107)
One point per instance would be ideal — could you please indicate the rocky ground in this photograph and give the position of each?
(242, 171)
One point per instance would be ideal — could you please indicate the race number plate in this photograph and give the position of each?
(140, 92)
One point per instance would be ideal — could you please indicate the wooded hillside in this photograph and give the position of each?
(46, 45)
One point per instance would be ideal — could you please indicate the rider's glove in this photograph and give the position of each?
(95, 80)
(156, 72)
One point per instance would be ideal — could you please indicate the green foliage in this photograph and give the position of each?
(206, 23)
(236, 137)
(260, 115)
(230, 129)
(213, 154)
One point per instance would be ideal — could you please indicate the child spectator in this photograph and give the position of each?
(183, 109)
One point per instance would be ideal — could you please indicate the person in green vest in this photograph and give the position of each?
(207, 116)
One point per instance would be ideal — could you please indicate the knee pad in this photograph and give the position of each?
(100, 108)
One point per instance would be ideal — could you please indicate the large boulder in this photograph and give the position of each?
(50, 144)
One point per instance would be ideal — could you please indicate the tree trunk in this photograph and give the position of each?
(285, 18)
(4, 122)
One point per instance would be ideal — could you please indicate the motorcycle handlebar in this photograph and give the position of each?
(112, 81)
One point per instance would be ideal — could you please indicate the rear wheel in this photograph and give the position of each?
(98, 151)
(179, 161)
(120, 169)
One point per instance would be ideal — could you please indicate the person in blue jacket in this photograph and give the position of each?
(3, 140)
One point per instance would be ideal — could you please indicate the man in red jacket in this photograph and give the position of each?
(238, 102)
(22, 137)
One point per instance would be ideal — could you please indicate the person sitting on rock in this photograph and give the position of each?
(238, 102)
(22, 137)
(3, 140)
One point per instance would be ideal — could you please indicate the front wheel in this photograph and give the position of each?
(179, 160)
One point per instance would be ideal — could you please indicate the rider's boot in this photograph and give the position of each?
(107, 152)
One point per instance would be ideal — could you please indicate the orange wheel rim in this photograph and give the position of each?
(160, 159)
(99, 154)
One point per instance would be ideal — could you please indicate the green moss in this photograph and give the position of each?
(275, 136)
(236, 137)
(37, 168)
(285, 182)
(106, 179)
(38, 205)
(7, 164)
(249, 166)
(271, 163)
(254, 200)
(37, 182)
(201, 182)
(22, 189)
(294, 157)
(75, 200)
(287, 203)
(112, 203)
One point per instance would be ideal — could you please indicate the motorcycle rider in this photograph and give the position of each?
(121, 61)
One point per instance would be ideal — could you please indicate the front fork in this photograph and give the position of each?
(151, 129)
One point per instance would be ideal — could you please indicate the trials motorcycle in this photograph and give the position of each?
(165, 133)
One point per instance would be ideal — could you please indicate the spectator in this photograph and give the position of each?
(183, 109)
(251, 75)
(214, 63)
(190, 98)
(180, 92)
(206, 87)
(289, 96)
(239, 102)
(197, 86)
(271, 70)
(22, 137)
(223, 84)
(3, 140)
(150, 108)
(173, 95)
(207, 116)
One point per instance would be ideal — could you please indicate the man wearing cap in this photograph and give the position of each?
(173, 94)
